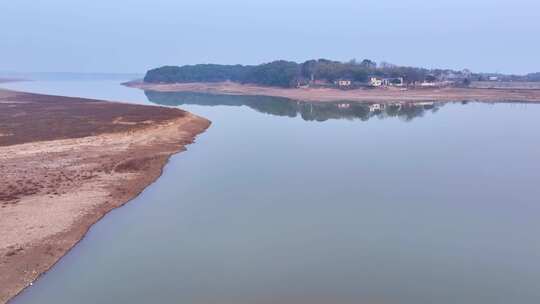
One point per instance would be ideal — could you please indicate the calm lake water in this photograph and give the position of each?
(286, 202)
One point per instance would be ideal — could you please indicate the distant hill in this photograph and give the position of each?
(286, 74)
(277, 73)
(281, 73)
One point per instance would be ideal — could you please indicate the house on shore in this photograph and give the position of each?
(386, 82)
(375, 82)
(395, 81)
(427, 84)
(343, 83)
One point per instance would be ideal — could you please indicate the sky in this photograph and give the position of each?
(131, 36)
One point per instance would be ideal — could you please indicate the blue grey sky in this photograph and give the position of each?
(134, 35)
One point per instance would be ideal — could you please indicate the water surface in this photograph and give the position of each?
(287, 202)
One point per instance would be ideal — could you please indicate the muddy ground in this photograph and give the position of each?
(66, 162)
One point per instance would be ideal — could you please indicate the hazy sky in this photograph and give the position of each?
(134, 35)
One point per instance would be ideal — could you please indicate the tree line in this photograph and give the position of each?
(285, 74)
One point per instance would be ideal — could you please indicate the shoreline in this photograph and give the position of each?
(6, 80)
(374, 95)
(97, 157)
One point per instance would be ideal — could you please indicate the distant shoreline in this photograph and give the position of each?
(365, 95)
(4, 80)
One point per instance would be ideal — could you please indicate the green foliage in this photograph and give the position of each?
(284, 73)
(533, 77)
(278, 73)
(431, 78)
(197, 73)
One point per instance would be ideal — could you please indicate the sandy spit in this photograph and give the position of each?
(65, 163)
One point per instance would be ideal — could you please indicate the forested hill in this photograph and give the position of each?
(282, 73)
(291, 74)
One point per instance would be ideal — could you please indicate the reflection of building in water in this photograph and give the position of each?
(377, 107)
(396, 105)
(423, 103)
(309, 111)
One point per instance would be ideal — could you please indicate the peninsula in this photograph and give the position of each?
(327, 81)
(65, 162)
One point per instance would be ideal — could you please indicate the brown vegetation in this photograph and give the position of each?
(66, 162)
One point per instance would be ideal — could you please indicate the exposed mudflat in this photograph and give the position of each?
(66, 162)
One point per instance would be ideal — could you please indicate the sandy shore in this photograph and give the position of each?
(66, 162)
(378, 95)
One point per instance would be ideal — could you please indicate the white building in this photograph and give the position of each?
(343, 83)
(375, 82)
(397, 81)
(428, 84)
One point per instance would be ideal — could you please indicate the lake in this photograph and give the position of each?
(290, 202)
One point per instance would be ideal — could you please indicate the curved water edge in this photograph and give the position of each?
(440, 208)
(88, 229)
(146, 152)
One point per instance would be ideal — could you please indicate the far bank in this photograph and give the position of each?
(367, 95)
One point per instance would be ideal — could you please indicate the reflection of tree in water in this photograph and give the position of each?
(309, 111)
(324, 111)
(408, 112)
(271, 105)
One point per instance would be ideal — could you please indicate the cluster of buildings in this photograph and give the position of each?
(386, 82)
(437, 78)
(373, 82)
(378, 82)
